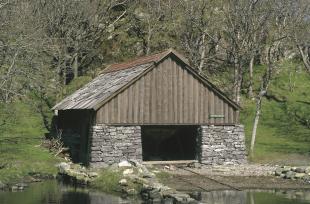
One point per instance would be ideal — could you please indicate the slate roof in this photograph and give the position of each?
(115, 77)
(139, 61)
(100, 88)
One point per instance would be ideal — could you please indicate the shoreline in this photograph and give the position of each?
(241, 177)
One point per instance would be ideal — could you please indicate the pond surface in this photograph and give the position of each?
(257, 197)
(53, 192)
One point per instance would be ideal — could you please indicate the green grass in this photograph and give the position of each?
(20, 139)
(280, 137)
(108, 181)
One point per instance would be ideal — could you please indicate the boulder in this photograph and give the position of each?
(307, 170)
(299, 175)
(123, 182)
(92, 174)
(124, 164)
(167, 201)
(286, 169)
(306, 178)
(131, 191)
(63, 167)
(154, 194)
(300, 170)
(289, 175)
(148, 175)
(278, 171)
(127, 172)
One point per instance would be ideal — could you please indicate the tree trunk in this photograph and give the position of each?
(265, 81)
(203, 53)
(237, 84)
(149, 37)
(75, 66)
(256, 120)
(305, 57)
(76, 58)
(251, 95)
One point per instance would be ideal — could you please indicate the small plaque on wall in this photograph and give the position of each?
(216, 116)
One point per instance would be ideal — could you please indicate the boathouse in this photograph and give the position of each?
(154, 108)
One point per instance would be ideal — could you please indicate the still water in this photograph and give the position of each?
(51, 192)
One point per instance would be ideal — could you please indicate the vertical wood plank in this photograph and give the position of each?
(154, 95)
(175, 92)
(129, 109)
(115, 110)
(231, 116)
(226, 113)
(220, 102)
(207, 105)
(136, 100)
(185, 96)
(170, 92)
(196, 100)
(215, 109)
(211, 110)
(201, 103)
(180, 75)
(190, 97)
(146, 100)
(159, 80)
(119, 104)
(165, 96)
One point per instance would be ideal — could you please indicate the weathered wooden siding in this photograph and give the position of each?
(168, 94)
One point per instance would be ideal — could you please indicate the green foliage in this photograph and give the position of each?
(20, 139)
(162, 176)
(280, 133)
(74, 85)
(108, 181)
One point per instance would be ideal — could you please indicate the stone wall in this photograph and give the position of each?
(222, 144)
(111, 144)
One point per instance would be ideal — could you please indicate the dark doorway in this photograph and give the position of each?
(168, 143)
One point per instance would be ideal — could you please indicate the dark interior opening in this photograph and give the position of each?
(168, 143)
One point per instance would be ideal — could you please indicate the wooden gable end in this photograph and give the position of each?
(168, 94)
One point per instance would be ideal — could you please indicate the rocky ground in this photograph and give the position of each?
(208, 178)
(134, 179)
(169, 182)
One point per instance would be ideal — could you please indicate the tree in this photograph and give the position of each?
(200, 35)
(244, 31)
(276, 36)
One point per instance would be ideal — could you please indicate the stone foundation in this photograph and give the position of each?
(216, 144)
(111, 144)
(222, 144)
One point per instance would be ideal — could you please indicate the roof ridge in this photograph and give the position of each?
(135, 62)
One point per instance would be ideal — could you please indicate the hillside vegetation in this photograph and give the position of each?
(20, 144)
(256, 51)
(281, 137)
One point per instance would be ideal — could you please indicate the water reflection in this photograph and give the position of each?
(51, 192)
(257, 197)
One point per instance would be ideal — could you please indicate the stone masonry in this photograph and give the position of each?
(111, 144)
(222, 144)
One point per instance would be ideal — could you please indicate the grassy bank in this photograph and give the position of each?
(281, 138)
(21, 134)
